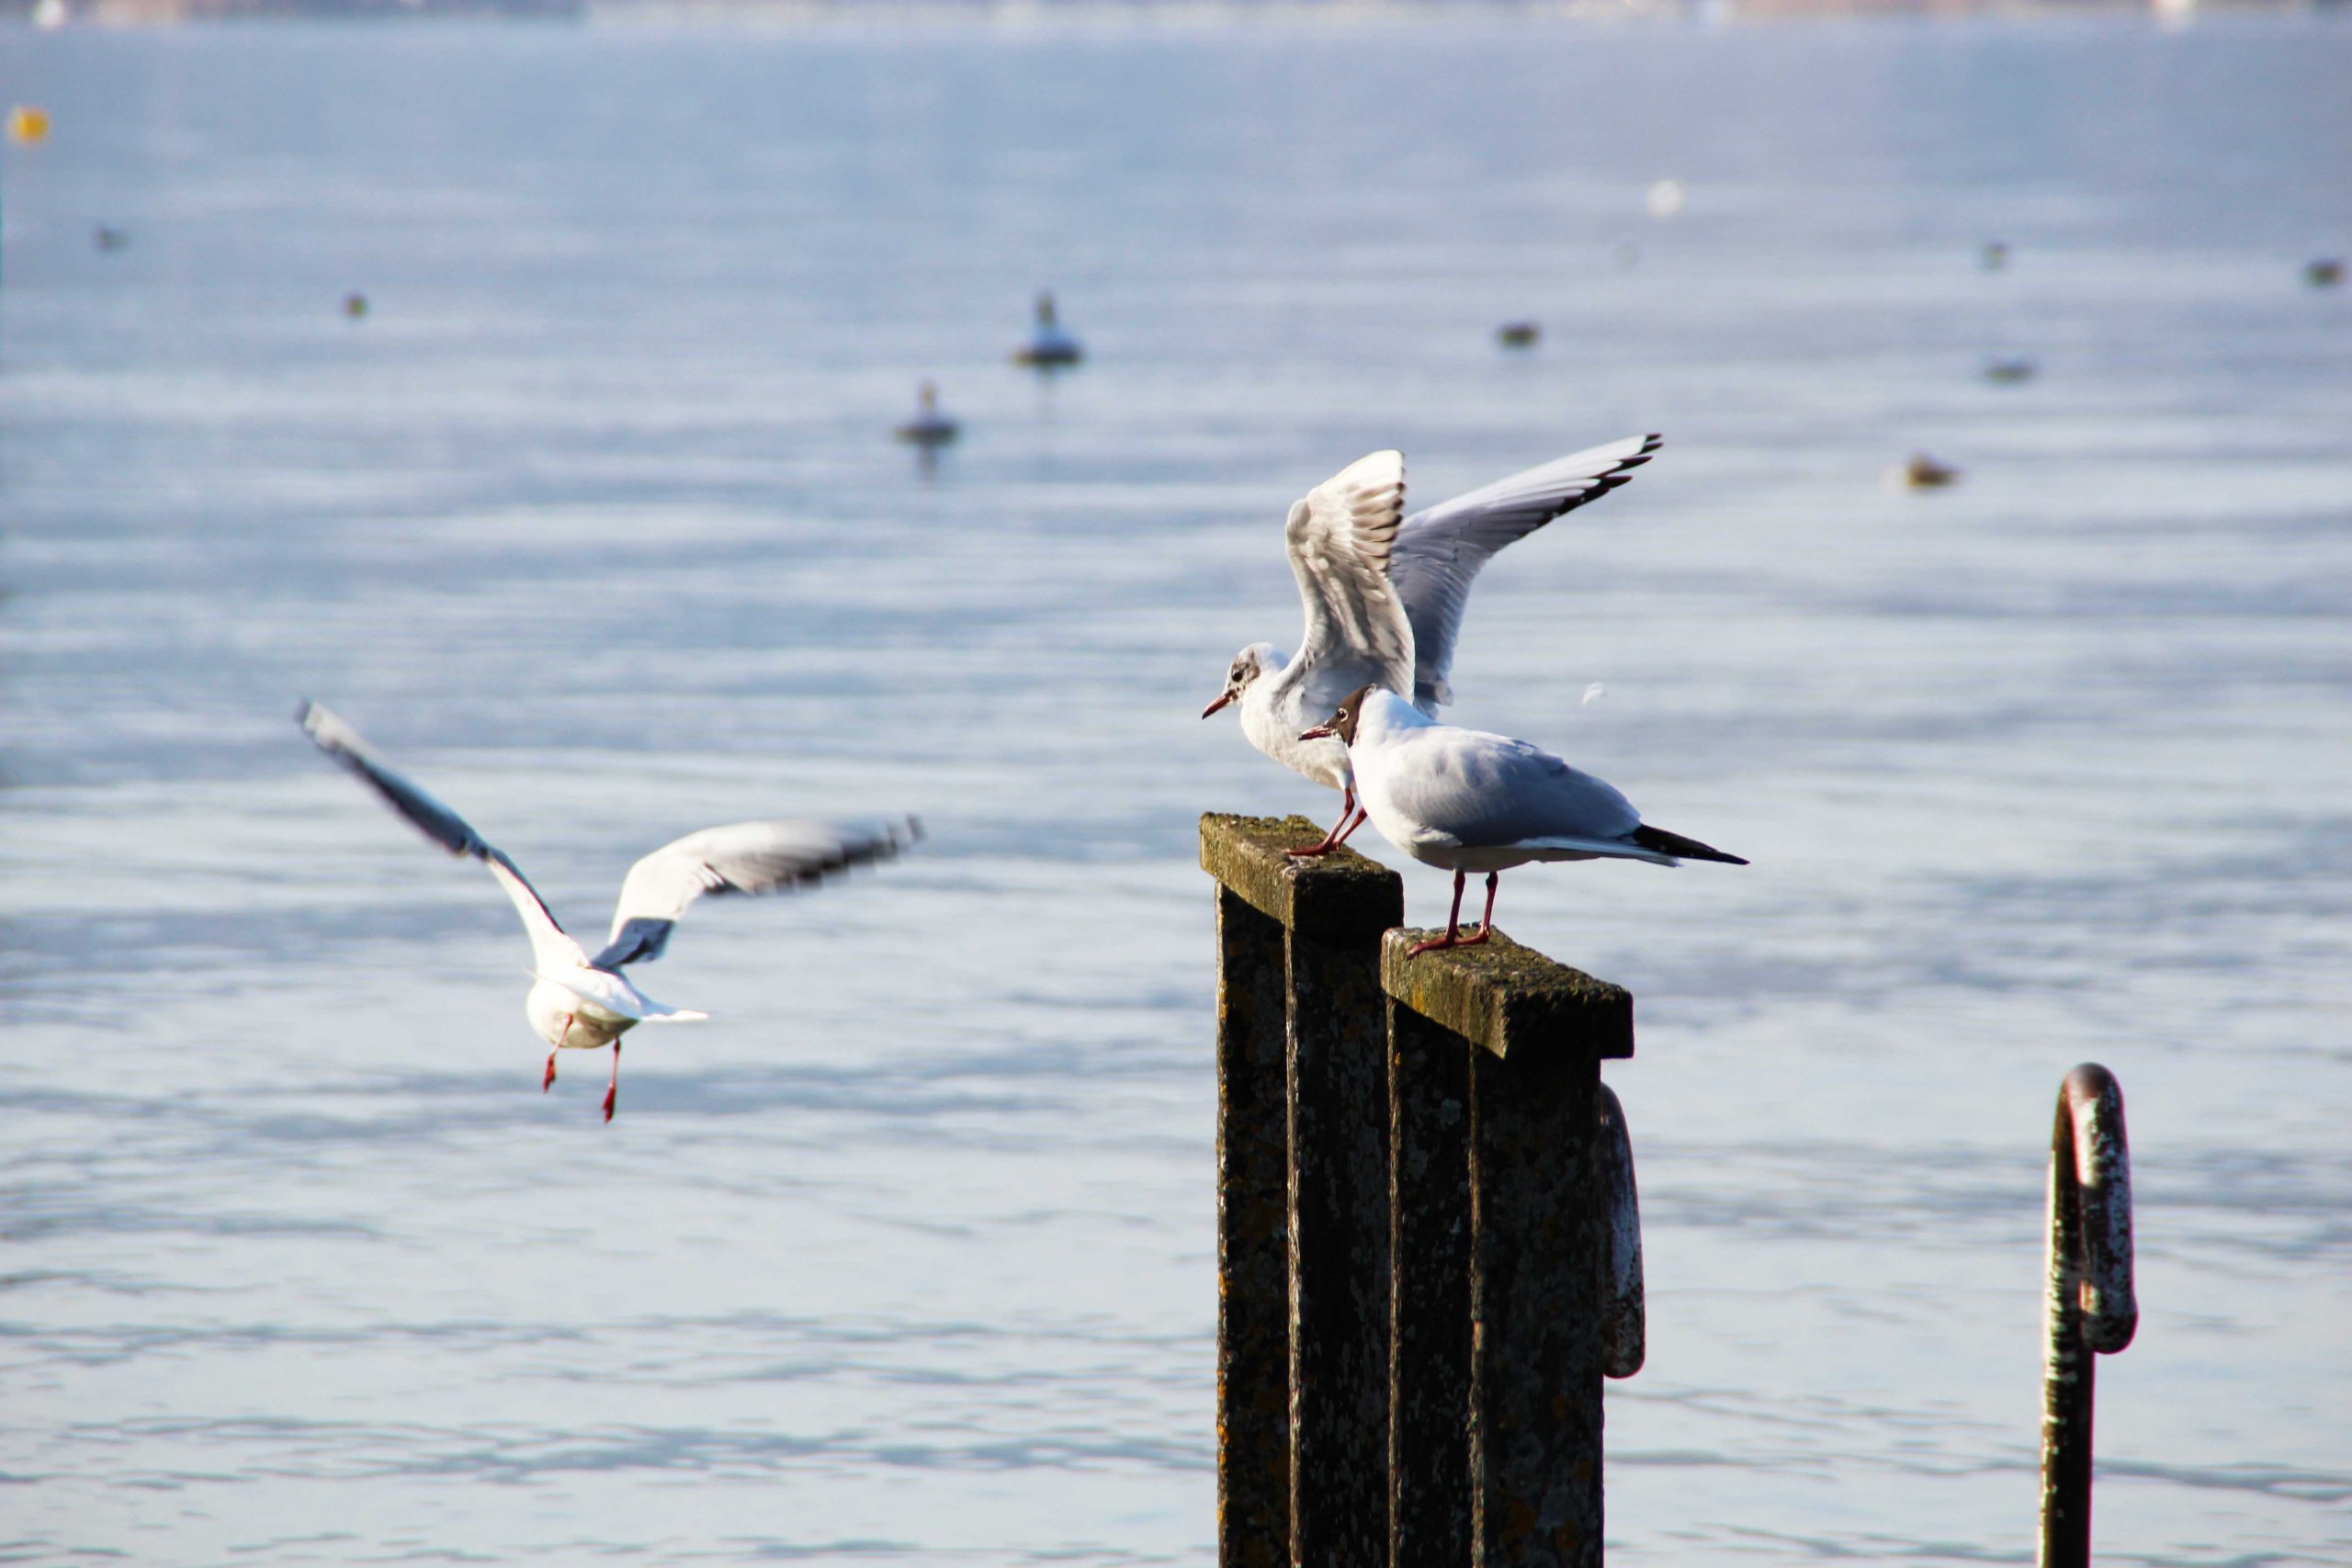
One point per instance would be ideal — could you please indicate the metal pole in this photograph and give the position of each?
(2089, 1307)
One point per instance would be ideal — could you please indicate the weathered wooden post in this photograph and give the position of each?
(1302, 1197)
(1428, 1247)
(1517, 1269)
(2088, 1309)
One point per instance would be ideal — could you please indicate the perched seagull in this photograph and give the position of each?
(1385, 595)
(583, 1003)
(1469, 801)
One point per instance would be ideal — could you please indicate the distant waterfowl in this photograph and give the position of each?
(1519, 334)
(109, 239)
(581, 1003)
(1050, 346)
(1385, 595)
(1995, 256)
(1923, 472)
(2325, 273)
(1466, 800)
(929, 427)
(354, 305)
(2008, 372)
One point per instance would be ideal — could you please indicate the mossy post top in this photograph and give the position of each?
(1509, 998)
(1339, 897)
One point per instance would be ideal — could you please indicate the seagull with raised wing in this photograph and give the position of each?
(1385, 595)
(1467, 800)
(581, 1003)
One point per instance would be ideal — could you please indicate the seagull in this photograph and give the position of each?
(1385, 595)
(581, 1003)
(1052, 348)
(930, 427)
(1468, 801)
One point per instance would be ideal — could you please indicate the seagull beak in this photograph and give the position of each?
(1320, 732)
(1222, 698)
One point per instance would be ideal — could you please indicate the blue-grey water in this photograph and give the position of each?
(907, 1256)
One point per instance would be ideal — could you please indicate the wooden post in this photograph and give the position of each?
(1331, 911)
(1544, 1267)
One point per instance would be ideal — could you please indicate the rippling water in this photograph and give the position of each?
(908, 1255)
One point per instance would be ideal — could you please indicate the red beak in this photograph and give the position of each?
(1320, 732)
(1222, 698)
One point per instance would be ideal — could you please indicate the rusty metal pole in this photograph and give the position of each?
(2088, 1309)
(1545, 1268)
(1331, 911)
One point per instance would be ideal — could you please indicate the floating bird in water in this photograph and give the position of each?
(1995, 256)
(1050, 347)
(581, 1003)
(2325, 273)
(929, 427)
(111, 239)
(1466, 800)
(1923, 472)
(1519, 334)
(1384, 596)
(354, 305)
(2008, 372)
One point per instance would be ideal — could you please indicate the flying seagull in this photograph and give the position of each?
(1385, 595)
(581, 1003)
(1469, 801)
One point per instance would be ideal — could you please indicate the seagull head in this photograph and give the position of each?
(1342, 725)
(1252, 661)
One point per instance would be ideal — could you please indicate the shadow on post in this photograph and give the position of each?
(1429, 1243)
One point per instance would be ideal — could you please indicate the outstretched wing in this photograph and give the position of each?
(1439, 551)
(552, 950)
(748, 857)
(1340, 538)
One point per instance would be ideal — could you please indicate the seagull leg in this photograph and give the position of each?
(1340, 830)
(1453, 937)
(612, 1085)
(548, 1082)
(1487, 925)
(1348, 831)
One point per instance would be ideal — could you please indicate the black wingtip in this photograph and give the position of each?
(1675, 844)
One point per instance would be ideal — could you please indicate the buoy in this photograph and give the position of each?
(2008, 372)
(28, 123)
(1519, 334)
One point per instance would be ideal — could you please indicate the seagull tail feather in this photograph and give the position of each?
(1675, 844)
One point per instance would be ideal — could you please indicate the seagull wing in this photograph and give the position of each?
(748, 857)
(1439, 551)
(552, 950)
(1340, 537)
